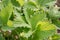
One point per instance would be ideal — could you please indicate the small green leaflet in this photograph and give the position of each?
(6, 13)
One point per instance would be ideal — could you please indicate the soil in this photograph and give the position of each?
(58, 3)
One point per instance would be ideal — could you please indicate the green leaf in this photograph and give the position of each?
(29, 8)
(21, 2)
(6, 28)
(54, 12)
(5, 13)
(31, 4)
(56, 22)
(51, 3)
(5, 2)
(18, 24)
(43, 2)
(17, 17)
(54, 15)
(1, 37)
(39, 16)
(33, 16)
(45, 26)
(44, 30)
(15, 3)
(27, 35)
(18, 21)
(26, 16)
(56, 37)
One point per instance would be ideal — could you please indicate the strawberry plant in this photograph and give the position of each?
(29, 20)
